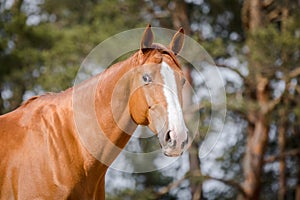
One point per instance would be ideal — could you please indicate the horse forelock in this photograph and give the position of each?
(161, 49)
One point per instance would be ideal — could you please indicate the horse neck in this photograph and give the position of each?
(103, 132)
(112, 97)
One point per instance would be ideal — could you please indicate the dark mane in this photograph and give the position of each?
(33, 98)
(28, 101)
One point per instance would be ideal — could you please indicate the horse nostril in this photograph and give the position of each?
(168, 137)
(170, 142)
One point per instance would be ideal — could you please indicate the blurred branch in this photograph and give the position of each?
(293, 152)
(232, 69)
(197, 176)
(166, 189)
(230, 183)
(272, 104)
(294, 73)
(267, 3)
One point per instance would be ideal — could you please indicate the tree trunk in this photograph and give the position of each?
(256, 144)
(283, 122)
(196, 188)
(255, 14)
(297, 196)
(194, 160)
(282, 163)
(258, 124)
(180, 17)
(297, 133)
(251, 14)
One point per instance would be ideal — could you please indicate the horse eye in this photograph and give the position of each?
(147, 78)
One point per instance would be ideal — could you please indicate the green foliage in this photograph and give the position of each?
(270, 44)
(216, 47)
(54, 48)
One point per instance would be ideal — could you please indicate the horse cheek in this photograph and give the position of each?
(138, 107)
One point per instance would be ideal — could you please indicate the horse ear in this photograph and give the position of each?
(177, 41)
(147, 38)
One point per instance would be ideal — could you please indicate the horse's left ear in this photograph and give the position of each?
(177, 41)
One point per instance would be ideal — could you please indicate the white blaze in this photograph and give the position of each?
(175, 116)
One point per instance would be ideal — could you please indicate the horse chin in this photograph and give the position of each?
(172, 154)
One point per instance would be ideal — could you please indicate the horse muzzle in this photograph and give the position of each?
(173, 143)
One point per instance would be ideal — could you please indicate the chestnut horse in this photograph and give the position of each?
(42, 155)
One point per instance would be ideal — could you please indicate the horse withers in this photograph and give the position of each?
(44, 153)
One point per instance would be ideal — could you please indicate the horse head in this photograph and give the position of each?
(156, 100)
